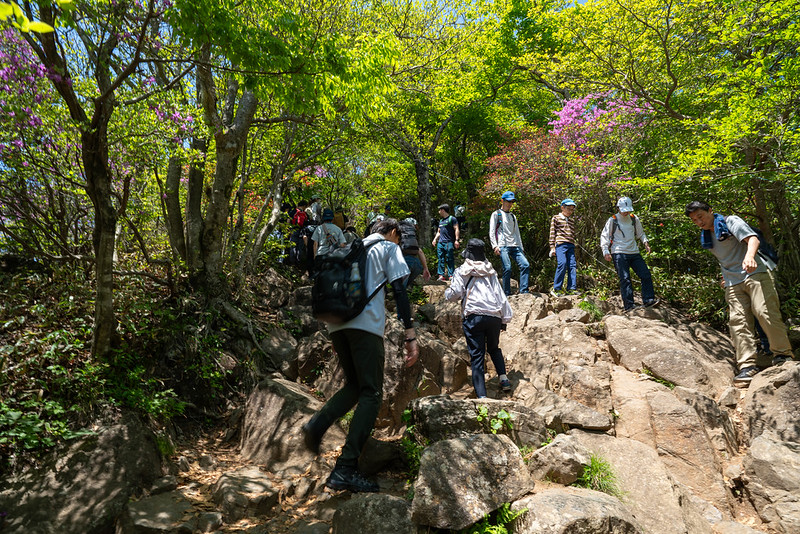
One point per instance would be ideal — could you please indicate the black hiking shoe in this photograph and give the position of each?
(743, 379)
(348, 478)
(780, 359)
(653, 302)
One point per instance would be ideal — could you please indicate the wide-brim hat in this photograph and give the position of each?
(475, 250)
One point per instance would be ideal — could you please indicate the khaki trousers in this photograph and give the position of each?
(755, 297)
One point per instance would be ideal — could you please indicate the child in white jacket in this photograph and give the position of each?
(485, 311)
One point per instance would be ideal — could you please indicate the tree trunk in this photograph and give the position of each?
(177, 239)
(422, 170)
(194, 207)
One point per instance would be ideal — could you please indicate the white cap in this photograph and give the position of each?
(411, 220)
(625, 204)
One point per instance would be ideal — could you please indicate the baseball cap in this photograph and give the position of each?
(509, 196)
(327, 215)
(625, 205)
(567, 202)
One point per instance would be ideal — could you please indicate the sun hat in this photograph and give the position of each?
(475, 250)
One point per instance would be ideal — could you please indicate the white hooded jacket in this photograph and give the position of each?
(483, 294)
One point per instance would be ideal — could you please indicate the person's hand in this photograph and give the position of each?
(647, 248)
(433, 242)
(749, 264)
(552, 253)
(456, 243)
(503, 327)
(607, 257)
(496, 251)
(426, 275)
(412, 352)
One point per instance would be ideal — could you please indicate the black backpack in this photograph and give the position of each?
(765, 250)
(339, 291)
(408, 239)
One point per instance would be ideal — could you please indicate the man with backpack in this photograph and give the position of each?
(412, 252)
(447, 239)
(359, 345)
(562, 247)
(749, 288)
(327, 237)
(618, 242)
(507, 243)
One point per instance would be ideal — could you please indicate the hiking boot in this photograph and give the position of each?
(348, 478)
(632, 308)
(780, 359)
(651, 303)
(505, 385)
(743, 379)
(555, 293)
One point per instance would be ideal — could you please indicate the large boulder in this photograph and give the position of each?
(671, 353)
(561, 460)
(271, 434)
(280, 346)
(573, 511)
(461, 480)
(373, 514)
(163, 513)
(244, 492)
(772, 468)
(772, 400)
(561, 413)
(657, 502)
(86, 488)
(441, 417)
(589, 385)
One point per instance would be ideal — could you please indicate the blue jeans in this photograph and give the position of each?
(447, 260)
(623, 263)
(515, 253)
(483, 334)
(565, 256)
(415, 266)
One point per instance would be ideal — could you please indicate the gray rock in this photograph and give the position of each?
(589, 385)
(731, 527)
(441, 417)
(650, 494)
(164, 484)
(460, 480)
(561, 461)
(209, 521)
(86, 488)
(298, 320)
(573, 511)
(246, 491)
(772, 400)
(271, 435)
(772, 469)
(561, 413)
(573, 315)
(153, 515)
(280, 345)
(716, 421)
(313, 354)
(373, 514)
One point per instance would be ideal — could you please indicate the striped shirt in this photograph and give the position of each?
(562, 230)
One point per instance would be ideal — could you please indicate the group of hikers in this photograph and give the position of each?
(359, 341)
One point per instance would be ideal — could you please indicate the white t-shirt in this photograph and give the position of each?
(731, 252)
(329, 237)
(385, 263)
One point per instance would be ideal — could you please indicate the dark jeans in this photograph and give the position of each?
(361, 356)
(415, 266)
(567, 267)
(515, 253)
(624, 263)
(483, 333)
(445, 252)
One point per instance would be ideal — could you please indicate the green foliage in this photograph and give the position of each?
(497, 522)
(591, 308)
(413, 444)
(598, 475)
(551, 435)
(661, 381)
(500, 421)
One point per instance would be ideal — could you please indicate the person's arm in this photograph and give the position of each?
(517, 235)
(493, 231)
(552, 237)
(456, 289)
(749, 263)
(458, 233)
(436, 237)
(605, 240)
(642, 235)
(404, 311)
(426, 274)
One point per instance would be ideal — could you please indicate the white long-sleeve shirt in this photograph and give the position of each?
(624, 238)
(504, 230)
(483, 295)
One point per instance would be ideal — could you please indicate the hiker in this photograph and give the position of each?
(327, 237)
(507, 243)
(485, 311)
(350, 234)
(749, 288)
(297, 253)
(315, 209)
(562, 246)
(448, 238)
(618, 243)
(412, 252)
(359, 346)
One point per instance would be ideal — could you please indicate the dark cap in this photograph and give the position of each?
(475, 250)
(327, 215)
